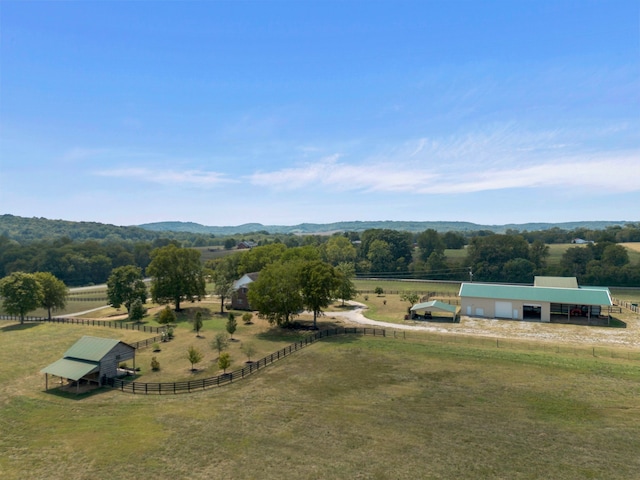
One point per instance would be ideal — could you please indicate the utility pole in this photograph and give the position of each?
(471, 274)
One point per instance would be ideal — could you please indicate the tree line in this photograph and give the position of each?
(511, 257)
(295, 278)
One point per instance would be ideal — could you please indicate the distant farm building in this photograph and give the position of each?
(550, 296)
(91, 360)
(239, 298)
(581, 241)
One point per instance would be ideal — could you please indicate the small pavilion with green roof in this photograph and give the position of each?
(90, 360)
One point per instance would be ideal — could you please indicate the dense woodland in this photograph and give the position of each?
(81, 253)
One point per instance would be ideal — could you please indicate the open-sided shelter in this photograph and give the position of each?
(434, 305)
(90, 360)
(550, 295)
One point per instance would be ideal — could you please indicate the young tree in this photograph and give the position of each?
(155, 364)
(411, 297)
(137, 311)
(194, 356)
(224, 361)
(125, 285)
(197, 323)
(21, 292)
(378, 291)
(318, 283)
(276, 293)
(220, 342)
(249, 349)
(232, 324)
(177, 275)
(54, 291)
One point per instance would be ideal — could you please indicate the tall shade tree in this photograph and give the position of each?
(318, 284)
(346, 289)
(176, 275)
(429, 242)
(21, 293)
(339, 249)
(54, 292)
(276, 293)
(126, 285)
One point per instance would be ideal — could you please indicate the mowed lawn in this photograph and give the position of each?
(347, 407)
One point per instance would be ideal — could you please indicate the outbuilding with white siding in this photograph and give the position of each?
(538, 302)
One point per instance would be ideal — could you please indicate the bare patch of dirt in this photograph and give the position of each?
(628, 337)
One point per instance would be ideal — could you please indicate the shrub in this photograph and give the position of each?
(246, 317)
(155, 364)
(166, 316)
(170, 333)
(156, 347)
(379, 291)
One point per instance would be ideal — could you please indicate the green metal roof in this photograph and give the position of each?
(573, 296)
(70, 368)
(91, 348)
(436, 305)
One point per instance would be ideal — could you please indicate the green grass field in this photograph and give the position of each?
(348, 407)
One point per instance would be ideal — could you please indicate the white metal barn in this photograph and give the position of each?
(550, 295)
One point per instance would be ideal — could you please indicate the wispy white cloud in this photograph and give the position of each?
(494, 160)
(168, 177)
(329, 172)
(591, 176)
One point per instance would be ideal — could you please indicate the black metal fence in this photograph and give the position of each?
(89, 322)
(227, 378)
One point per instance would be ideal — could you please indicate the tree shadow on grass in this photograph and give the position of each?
(19, 326)
(300, 329)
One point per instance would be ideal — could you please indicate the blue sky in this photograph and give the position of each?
(283, 112)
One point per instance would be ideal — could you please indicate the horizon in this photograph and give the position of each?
(283, 113)
(260, 224)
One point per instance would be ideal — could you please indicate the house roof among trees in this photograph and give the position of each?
(246, 279)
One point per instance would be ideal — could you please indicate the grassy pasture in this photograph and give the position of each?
(350, 407)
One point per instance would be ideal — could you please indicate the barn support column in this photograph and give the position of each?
(46, 381)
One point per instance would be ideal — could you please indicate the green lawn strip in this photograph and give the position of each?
(346, 407)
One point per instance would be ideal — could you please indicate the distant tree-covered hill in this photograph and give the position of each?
(24, 229)
(357, 226)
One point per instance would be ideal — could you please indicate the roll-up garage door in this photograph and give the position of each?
(504, 310)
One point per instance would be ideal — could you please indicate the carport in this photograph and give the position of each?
(429, 307)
